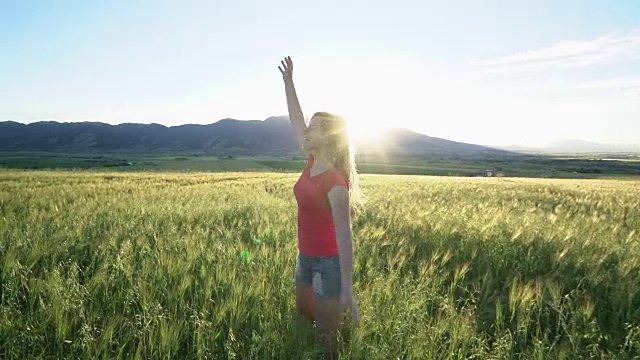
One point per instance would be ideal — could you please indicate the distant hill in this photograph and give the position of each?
(403, 141)
(272, 136)
(580, 146)
(575, 147)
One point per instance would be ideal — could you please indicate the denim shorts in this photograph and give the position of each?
(322, 273)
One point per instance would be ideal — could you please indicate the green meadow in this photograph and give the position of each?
(150, 265)
(435, 164)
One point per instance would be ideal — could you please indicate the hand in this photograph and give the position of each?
(347, 301)
(287, 68)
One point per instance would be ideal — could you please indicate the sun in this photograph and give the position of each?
(361, 131)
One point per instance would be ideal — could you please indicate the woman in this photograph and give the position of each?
(324, 267)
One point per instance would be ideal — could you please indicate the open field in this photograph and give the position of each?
(438, 164)
(198, 265)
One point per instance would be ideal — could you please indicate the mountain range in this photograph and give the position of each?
(272, 136)
(576, 147)
(588, 146)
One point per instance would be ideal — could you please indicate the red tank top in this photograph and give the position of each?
(316, 231)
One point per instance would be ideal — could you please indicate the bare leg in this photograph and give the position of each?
(327, 314)
(304, 303)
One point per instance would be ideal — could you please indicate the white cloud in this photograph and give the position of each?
(607, 49)
(573, 89)
(600, 69)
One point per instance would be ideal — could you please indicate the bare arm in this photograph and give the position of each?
(339, 201)
(293, 105)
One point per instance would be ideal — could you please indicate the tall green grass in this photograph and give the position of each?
(113, 265)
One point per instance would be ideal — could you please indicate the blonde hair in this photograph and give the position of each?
(342, 152)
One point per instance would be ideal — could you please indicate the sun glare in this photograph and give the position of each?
(361, 131)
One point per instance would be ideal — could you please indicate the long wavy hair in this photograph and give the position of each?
(339, 147)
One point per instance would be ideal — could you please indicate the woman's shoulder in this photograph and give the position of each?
(336, 177)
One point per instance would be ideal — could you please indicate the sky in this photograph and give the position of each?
(487, 72)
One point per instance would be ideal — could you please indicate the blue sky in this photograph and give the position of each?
(488, 72)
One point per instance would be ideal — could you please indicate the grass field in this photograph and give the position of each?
(196, 265)
(556, 166)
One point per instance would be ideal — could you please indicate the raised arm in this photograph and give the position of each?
(295, 111)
